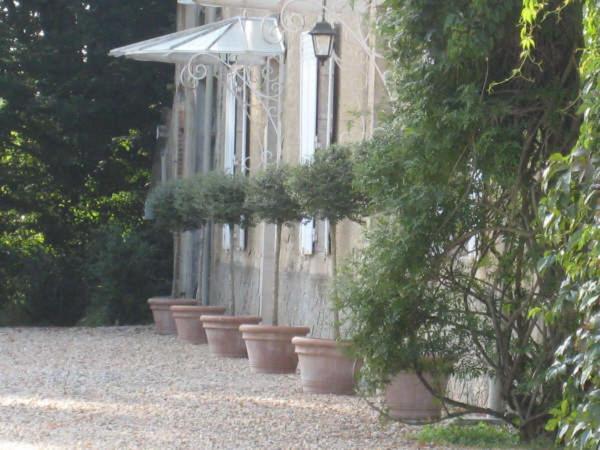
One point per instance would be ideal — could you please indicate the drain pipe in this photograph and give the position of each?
(207, 163)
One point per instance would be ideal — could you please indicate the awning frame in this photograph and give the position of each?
(263, 46)
(269, 97)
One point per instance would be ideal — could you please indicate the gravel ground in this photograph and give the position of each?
(126, 387)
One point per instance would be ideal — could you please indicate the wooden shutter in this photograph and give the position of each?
(308, 125)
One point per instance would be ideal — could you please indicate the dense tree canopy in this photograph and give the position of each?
(450, 273)
(76, 135)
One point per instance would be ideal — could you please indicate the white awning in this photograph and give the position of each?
(243, 40)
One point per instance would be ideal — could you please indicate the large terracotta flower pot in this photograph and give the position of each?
(270, 348)
(324, 366)
(163, 319)
(189, 327)
(223, 334)
(408, 399)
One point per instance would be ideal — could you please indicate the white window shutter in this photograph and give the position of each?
(226, 237)
(229, 147)
(244, 151)
(307, 236)
(242, 238)
(245, 116)
(230, 104)
(308, 125)
(329, 137)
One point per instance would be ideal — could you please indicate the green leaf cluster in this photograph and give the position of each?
(570, 214)
(225, 197)
(269, 196)
(188, 203)
(325, 187)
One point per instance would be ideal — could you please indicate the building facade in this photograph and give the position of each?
(282, 110)
(249, 92)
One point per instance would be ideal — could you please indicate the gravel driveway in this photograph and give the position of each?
(126, 387)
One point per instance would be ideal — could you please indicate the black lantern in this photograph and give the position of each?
(322, 37)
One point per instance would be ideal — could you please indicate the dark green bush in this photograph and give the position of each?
(39, 286)
(125, 267)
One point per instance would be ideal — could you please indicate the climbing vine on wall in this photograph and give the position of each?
(570, 214)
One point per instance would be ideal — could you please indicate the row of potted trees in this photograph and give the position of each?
(279, 195)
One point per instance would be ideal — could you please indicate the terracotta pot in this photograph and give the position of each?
(189, 328)
(163, 319)
(324, 366)
(408, 399)
(270, 348)
(223, 334)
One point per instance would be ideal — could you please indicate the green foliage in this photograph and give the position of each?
(325, 187)
(179, 205)
(269, 198)
(570, 215)
(187, 203)
(225, 197)
(39, 286)
(76, 129)
(124, 267)
(450, 268)
(161, 203)
(190, 202)
(479, 435)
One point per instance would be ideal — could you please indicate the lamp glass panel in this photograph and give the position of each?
(322, 45)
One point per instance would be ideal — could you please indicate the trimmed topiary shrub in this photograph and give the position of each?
(325, 188)
(224, 196)
(270, 200)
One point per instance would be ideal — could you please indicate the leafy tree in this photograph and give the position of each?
(325, 188)
(75, 131)
(269, 198)
(450, 270)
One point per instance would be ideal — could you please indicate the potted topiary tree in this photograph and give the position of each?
(325, 189)
(224, 196)
(270, 348)
(192, 213)
(161, 202)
